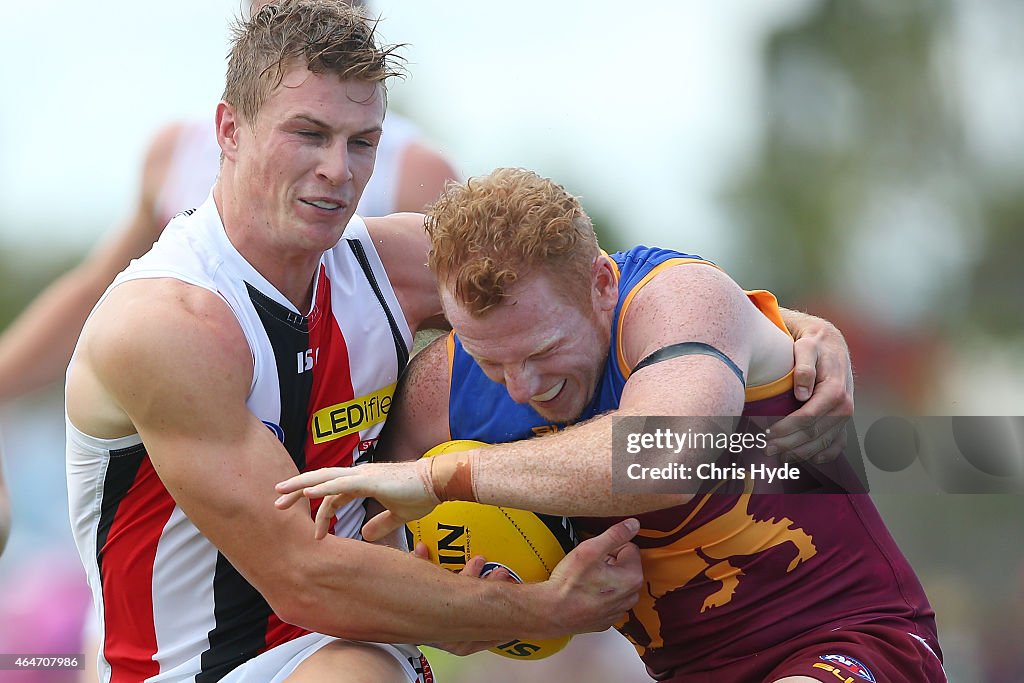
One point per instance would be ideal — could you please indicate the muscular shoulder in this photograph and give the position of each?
(691, 300)
(425, 383)
(169, 315)
(698, 302)
(158, 346)
(424, 172)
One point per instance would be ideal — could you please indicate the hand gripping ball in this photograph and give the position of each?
(526, 544)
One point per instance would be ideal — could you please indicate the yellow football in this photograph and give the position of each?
(526, 544)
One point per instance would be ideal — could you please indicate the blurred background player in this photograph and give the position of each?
(5, 506)
(180, 167)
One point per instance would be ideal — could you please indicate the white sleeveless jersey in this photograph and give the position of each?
(172, 607)
(196, 162)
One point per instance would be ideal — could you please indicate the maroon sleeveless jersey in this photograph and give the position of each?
(729, 575)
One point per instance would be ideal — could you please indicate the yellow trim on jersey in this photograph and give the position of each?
(762, 391)
(769, 305)
(449, 344)
(765, 302)
(623, 366)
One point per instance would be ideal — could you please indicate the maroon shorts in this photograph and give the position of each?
(853, 654)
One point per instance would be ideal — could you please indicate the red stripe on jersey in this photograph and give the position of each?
(332, 384)
(127, 577)
(279, 632)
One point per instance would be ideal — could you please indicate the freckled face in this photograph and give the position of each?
(547, 350)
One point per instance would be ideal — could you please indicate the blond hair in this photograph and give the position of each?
(489, 231)
(326, 36)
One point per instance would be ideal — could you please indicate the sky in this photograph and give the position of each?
(642, 108)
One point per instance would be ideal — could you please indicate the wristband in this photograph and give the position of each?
(451, 477)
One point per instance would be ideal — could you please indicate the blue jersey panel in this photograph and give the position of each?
(482, 410)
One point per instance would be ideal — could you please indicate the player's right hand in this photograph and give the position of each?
(599, 581)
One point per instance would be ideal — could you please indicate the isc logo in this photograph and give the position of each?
(307, 359)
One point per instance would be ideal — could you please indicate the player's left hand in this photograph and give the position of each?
(400, 487)
(823, 377)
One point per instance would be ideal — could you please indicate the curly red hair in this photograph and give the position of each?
(491, 230)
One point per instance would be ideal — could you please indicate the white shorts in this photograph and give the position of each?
(275, 665)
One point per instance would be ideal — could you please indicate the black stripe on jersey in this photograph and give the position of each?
(401, 351)
(240, 612)
(288, 333)
(121, 472)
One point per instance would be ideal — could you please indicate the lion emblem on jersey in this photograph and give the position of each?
(706, 551)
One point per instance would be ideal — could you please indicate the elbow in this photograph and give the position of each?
(307, 608)
(289, 597)
(315, 615)
(305, 611)
(303, 596)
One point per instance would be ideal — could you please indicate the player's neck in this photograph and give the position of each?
(290, 269)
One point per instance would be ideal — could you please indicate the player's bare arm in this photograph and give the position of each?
(569, 473)
(5, 510)
(35, 350)
(419, 416)
(418, 419)
(420, 405)
(423, 173)
(179, 374)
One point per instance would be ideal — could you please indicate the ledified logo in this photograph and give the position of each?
(342, 419)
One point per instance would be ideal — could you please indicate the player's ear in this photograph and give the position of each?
(228, 125)
(606, 285)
